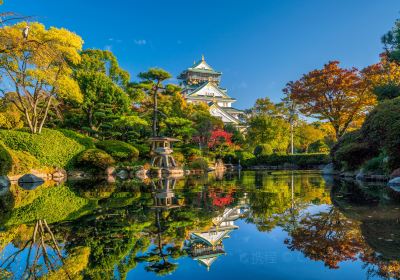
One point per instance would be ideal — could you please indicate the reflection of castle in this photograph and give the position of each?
(206, 246)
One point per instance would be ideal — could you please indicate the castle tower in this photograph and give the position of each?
(201, 84)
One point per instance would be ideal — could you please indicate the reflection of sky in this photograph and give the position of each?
(19, 264)
(258, 255)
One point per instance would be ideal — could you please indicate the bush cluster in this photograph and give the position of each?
(94, 159)
(16, 162)
(263, 150)
(5, 160)
(300, 160)
(199, 164)
(119, 150)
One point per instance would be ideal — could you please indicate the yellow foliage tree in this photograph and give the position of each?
(38, 66)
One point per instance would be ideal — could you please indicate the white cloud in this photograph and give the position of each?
(140, 42)
(108, 47)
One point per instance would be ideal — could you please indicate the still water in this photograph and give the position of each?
(264, 225)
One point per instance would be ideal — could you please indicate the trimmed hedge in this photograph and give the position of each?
(198, 164)
(5, 160)
(50, 148)
(119, 150)
(16, 162)
(94, 159)
(301, 160)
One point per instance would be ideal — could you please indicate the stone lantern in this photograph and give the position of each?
(162, 158)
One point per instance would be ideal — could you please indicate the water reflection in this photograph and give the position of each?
(167, 226)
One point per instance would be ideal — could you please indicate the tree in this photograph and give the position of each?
(152, 83)
(204, 124)
(327, 237)
(307, 134)
(391, 41)
(180, 128)
(384, 77)
(39, 70)
(340, 96)
(104, 86)
(264, 106)
(268, 130)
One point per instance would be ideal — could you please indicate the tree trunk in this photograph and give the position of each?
(45, 114)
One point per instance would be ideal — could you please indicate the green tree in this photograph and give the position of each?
(306, 134)
(269, 130)
(104, 87)
(152, 83)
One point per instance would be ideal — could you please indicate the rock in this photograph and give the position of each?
(123, 174)
(110, 179)
(395, 182)
(59, 174)
(328, 169)
(110, 171)
(30, 182)
(4, 185)
(4, 182)
(395, 173)
(360, 176)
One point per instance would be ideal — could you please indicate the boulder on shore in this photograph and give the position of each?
(4, 182)
(395, 182)
(395, 173)
(30, 182)
(328, 169)
(4, 185)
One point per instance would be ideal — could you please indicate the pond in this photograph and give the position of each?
(263, 225)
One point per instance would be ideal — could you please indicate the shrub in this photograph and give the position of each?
(118, 149)
(179, 158)
(351, 151)
(301, 160)
(199, 163)
(23, 162)
(381, 130)
(5, 160)
(263, 150)
(376, 165)
(318, 147)
(243, 155)
(94, 159)
(50, 148)
(86, 141)
(16, 162)
(353, 155)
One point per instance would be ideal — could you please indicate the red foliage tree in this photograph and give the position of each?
(219, 137)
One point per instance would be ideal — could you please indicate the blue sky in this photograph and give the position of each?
(259, 45)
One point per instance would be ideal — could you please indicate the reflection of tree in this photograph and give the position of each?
(158, 258)
(41, 248)
(281, 197)
(332, 238)
(326, 236)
